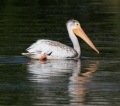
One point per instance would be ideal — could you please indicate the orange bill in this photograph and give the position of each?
(79, 32)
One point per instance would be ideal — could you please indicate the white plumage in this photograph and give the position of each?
(51, 49)
(56, 50)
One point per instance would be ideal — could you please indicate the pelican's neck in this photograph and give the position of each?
(75, 42)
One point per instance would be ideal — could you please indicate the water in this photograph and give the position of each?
(92, 81)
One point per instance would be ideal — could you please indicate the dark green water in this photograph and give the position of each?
(92, 81)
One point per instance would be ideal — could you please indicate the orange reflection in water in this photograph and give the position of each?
(77, 89)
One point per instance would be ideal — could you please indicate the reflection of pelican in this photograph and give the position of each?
(54, 50)
(66, 82)
(52, 73)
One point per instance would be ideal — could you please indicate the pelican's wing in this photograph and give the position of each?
(52, 48)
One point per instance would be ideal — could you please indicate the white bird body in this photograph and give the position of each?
(57, 50)
(53, 50)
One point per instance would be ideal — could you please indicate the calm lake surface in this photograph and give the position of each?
(92, 81)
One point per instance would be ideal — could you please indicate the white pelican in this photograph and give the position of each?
(54, 50)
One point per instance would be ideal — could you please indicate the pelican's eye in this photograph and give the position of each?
(77, 25)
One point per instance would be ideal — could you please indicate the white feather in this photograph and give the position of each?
(52, 49)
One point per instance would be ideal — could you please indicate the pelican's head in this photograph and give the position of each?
(73, 26)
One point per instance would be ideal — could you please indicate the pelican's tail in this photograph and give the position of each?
(32, 55)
